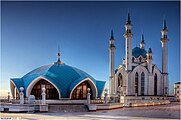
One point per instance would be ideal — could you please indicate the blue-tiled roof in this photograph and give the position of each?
(63, 76)
(136, 52)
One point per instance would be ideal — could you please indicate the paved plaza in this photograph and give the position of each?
(170, 111)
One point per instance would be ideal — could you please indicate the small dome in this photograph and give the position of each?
(136, 52)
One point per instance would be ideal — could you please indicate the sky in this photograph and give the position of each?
(32, 31)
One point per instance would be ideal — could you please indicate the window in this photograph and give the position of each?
(132, 59)
(155, 84)
(120, 80)
(140, 59)
(136, 83)
(142, 83)
(51, 91)
(80, 92)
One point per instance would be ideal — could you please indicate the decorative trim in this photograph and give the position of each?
(86, 79)
(30, 86)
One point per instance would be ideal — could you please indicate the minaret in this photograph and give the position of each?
(111, 60)
(128, 36)
(164, 40)
(149, 60)
(142, 43)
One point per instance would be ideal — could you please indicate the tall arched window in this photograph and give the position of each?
(136, 83)
(80, 92)
(51, 91)
(140, 59)
(155, 84)
(120, 80)
(142, 83)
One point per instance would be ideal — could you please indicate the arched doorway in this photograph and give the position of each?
(155, 84)
(136, 83)
(51, 91)
(120, 80)
(142, 83)
(80, 92)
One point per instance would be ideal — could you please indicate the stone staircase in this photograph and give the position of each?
(67, 108)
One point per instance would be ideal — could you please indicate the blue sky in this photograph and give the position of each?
(32, 31)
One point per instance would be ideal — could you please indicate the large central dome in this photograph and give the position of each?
(63, 76)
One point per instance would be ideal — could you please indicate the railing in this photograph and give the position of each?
(97, 101)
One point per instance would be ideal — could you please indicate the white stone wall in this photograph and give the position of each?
(129, 80)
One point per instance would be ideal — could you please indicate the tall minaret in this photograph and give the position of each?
(111, 60)
(128, 36)
(142, 43)
(164, 40)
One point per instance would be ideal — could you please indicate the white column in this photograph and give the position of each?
(111, 65)
(21, 95)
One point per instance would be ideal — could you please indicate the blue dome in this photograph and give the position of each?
(136, 52)
(63, 76)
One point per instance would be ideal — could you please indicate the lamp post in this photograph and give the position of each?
(88, 95)
(43, 95)
(21, 95)
(105, 96)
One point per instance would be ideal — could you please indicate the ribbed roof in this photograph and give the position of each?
(63, 76)
(136, 52)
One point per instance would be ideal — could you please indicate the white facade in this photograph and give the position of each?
(177, 91)
(138, 75)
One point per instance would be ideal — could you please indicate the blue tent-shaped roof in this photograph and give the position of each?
(64, 77)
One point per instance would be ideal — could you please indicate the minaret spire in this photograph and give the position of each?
(58, 54)
(112, 36)
(164, 24)
(142, 43)
(128, 19)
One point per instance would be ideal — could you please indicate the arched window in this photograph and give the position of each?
(51, 91)
(140, 59)
(120, 80)
(155, 84)
(80, 92)
(142, 83)
(136, 83)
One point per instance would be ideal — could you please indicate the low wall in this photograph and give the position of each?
(67, 108)
(23, 108)
(132, 101)
(95, 107)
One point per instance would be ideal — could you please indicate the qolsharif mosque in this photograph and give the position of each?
(138, 75)
(61, 81)
(136, 82)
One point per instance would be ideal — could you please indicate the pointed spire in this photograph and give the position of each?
(164, 24)
(128, 19)
(58, 54)
(142, 38)
(149, 50)
(112, 36)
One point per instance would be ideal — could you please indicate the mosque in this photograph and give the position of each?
(138, 75)
(61, 81)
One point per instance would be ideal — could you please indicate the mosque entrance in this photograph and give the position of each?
(80, 92)
(51, 91)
